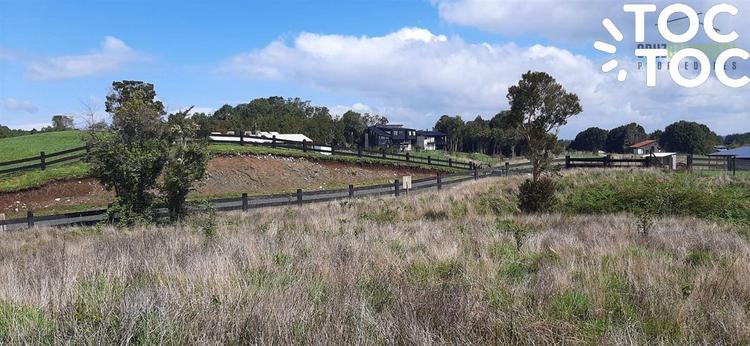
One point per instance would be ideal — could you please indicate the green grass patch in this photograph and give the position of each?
(652, 193)
(15, 148)
(35, 179)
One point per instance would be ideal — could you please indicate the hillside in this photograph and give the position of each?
(451, 267)
(227, 176)
(15, 148)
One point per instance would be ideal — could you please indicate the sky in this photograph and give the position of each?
(411, 61)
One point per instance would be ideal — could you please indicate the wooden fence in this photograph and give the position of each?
(245, 202)
(43, 161)
(605, 162)
(360, 152)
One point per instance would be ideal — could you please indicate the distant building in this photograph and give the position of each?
(644, 147)
(430, 140)
(720, 147)
(390, 136)
(402, 138)
(740, 153)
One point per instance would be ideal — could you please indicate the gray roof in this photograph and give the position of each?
(740, 153)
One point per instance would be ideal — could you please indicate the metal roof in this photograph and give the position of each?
(740, 153)
(430, 133)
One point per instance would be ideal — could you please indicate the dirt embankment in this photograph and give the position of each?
(226, 175)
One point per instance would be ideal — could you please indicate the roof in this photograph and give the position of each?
(740, 153)
(430, 133)
(659, 155)
(378, 131)
(392, 127)
(642, 144)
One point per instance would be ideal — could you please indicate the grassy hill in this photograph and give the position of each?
(459, 266)
(15, 148)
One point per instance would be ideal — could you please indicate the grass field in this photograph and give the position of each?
(453, 267)
(15, 148)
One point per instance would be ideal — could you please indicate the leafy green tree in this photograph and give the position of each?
(544, 106)
(129, 158)
(374, 119)
(351, 126)
(453, 127)
(62, 123)
(689, 137)
(737, 139)
(187, 158)
(620, 137)
(591, 139)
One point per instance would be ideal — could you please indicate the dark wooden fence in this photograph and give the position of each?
(304, 146)
(605, 162)
(245, 202)
(43, 161)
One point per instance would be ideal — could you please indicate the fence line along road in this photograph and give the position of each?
(245, 202)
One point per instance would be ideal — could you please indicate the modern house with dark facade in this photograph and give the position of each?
(402, 138)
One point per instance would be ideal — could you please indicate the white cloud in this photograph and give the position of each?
(112, 54)
(11, 104)
(415, 76)
(578, 20)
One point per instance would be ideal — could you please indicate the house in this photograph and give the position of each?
(390, 136)
(430, 140)
(644, 147)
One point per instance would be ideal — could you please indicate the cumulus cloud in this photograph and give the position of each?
(11, 104)
(578, 20)
(112, 54)
(414, 76)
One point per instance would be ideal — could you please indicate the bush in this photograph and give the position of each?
(537, 196)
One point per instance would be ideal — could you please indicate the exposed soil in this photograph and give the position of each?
(226, 175)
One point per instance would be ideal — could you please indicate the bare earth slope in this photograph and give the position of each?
(226, 175)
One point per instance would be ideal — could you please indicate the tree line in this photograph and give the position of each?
(681, 136)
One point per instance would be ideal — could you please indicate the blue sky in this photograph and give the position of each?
(410, 60)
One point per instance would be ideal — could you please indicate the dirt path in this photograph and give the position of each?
(226, 175)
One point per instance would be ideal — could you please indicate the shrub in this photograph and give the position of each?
(537, 196)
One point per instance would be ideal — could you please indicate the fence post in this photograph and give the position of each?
(407, 156)
(429, 160)
(242, 138)
(607, 162)
(439, 181)
(382, 152)
(359, 151)
(396, 186)
(690, 162)
(450, 162)
(299, 196)
(2, 225)
(476, 174)
(30, 218)
(42, 161)
(507, 168)
(567, 161)
(244, 202)
(734, 166)
(351, 191)
(304, 145)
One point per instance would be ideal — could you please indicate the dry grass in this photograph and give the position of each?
(425, 269)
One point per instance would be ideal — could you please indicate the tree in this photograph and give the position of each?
(187, 158)
(544, 106)
(591, 139)
(689, 137)
(351, 125)
(737, 139)
(374, 119)
(129, 158)
(453, 127)
(620, 137)
(62, 123)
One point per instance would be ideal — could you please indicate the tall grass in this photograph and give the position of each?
(455, 267)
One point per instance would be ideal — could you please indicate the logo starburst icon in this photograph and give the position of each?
(612, 64)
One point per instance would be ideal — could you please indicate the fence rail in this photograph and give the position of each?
(330, 150)
(245, 202)
(42, 161)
